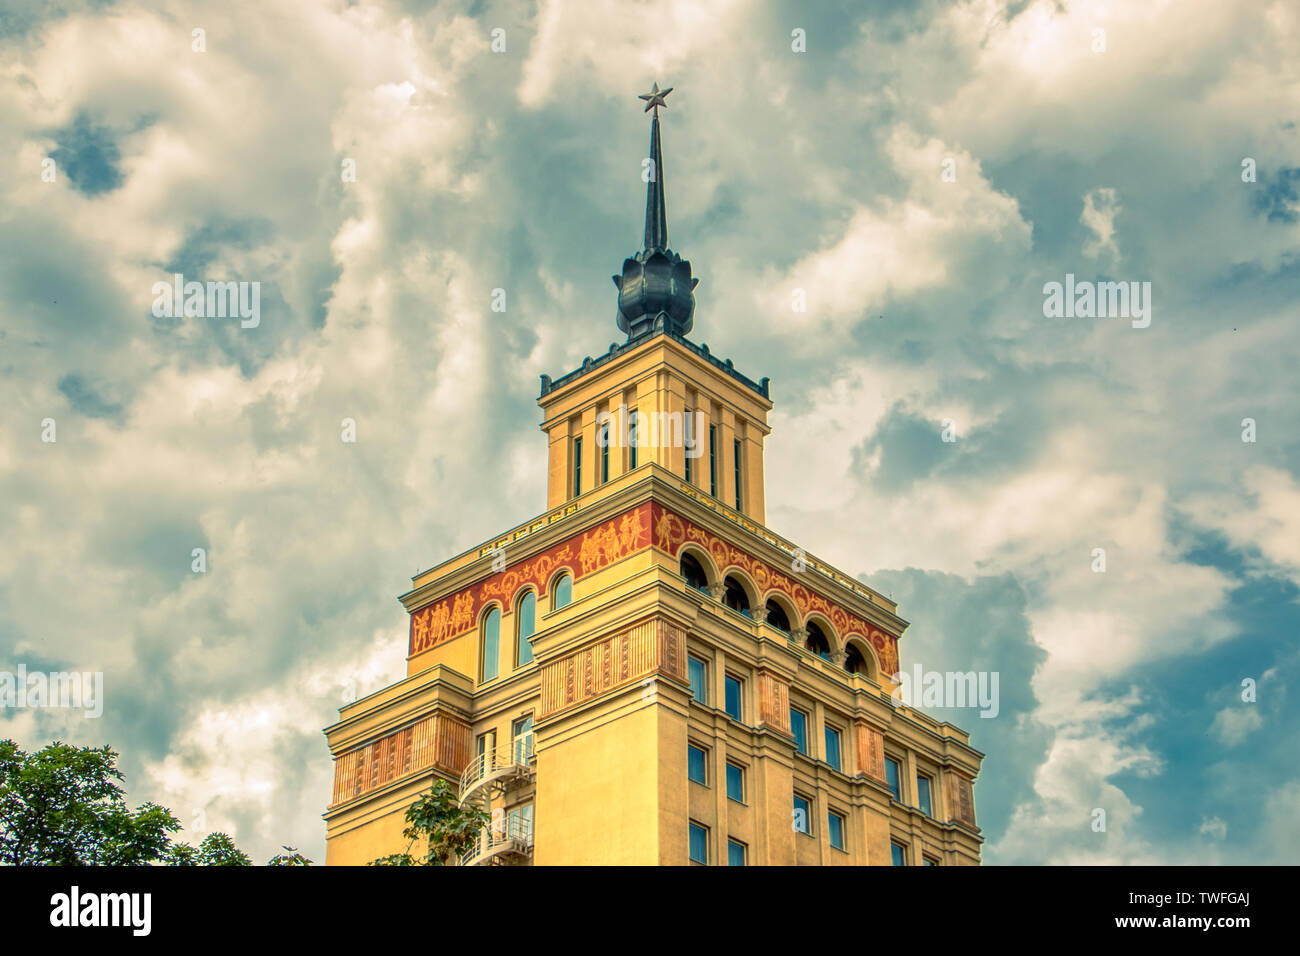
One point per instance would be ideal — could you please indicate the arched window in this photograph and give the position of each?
(817, 642)
(525, 625)
(855, 662)
(694, 574)
(491, 644)
(776, 617)
(735, 596)
(562, 593)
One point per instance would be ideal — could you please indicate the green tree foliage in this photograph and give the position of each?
(64, 806)
(438, 818)
(290, 857)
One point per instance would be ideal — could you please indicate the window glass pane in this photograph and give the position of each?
(802, 815)
(695, 763)
(521, 736)
(835, 830)
(799, 727)
(897, 856)
(923, 794)
(699, 843)
(735, 853)
(736, 783)
(633, 440)
(833, 748)
(577, 466)
(696, 670)
(563, 592)
(491, 643)
(891, 777)
(733, 698)
(525, 625)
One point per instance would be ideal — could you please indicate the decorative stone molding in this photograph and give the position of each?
(440, 741)
(717, 591)
(961, 799)
(649, 647)
(773, 702)
(870, 750)
(837, 657)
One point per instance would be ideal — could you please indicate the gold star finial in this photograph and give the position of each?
(655, 98)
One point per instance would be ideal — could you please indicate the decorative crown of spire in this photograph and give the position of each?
(656, 290)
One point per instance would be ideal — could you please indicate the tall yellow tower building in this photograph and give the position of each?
(645, 674)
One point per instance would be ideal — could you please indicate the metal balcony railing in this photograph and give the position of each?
(509, 842)
(499, 768)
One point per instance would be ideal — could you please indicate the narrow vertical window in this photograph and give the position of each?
(735, 447)
(713, 460)
(802, 815)
(491, 644)
(688, 435)
(697, 672)
(835, 829)
(577, 467)
(525, 625)
(733, 689)
(799, 729)
(923, 794)
(699, 843)
(695, 765)
(833, 747)
(604, 453)
(633, 438)
(735, 853)
(891, 778)
(897, 854)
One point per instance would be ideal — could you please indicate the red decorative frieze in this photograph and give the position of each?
(590, 551)
(673, 532)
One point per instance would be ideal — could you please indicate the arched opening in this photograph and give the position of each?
(694, 574)
(735, 596)
(525, 626)
(817, 641)
(855, 662)
(777, 618)
(562, 593)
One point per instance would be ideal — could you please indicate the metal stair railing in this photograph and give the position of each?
(501, 765)
(499, 842)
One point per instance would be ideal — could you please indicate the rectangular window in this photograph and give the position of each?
(521, 739)
(736, 449)
(737, 853)
(929, 861)
(487, 744)
(802, 815)
(695, 764)
(733, 688)
(633, 437)
(713, 460)
(577, 467)
(923, 794)
(519, 823)
(688, 435)
(699, 840)
(833, 747)
(698, 672)
(604, 453)
(735, 782)
(891, 778)
(835, 829)
(799, 727)
(897, 854)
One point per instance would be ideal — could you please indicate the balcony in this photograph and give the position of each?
(510, 844)
(498, 771)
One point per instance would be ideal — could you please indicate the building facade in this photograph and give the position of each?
(645, 674)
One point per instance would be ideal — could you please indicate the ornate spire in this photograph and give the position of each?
(656, 291)
(656, 218)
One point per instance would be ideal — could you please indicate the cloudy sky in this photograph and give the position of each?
(920, 170)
